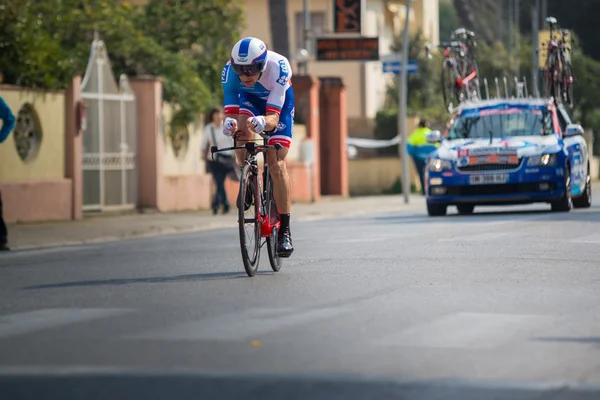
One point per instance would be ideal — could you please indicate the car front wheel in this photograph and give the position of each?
(585, 200)
(565, 202)
(465, 209)
(436, 210)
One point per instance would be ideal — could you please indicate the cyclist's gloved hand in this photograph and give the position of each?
(229, 126)
(257, 124)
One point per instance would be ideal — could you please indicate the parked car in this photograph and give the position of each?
(508, 151)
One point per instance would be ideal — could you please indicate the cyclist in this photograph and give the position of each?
(259, 98)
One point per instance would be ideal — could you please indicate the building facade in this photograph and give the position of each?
(365, 82)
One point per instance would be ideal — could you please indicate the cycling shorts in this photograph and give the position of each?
(252, 105)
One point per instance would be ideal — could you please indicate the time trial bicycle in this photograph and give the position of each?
(258, 218)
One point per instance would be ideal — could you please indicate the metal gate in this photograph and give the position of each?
(109, 141)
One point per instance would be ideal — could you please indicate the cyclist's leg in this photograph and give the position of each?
(281, 179)
(249, 107)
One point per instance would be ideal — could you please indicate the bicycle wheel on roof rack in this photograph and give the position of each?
(551, 77)
(248, 220)
(448, 81)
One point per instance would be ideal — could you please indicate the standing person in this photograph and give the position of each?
(419, 149)
(259, 98)
(8, 123)
(224, 162)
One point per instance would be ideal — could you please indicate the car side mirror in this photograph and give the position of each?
(573, 130)
(434, 137)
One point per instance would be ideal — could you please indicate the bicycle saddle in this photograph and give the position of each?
(551, 20)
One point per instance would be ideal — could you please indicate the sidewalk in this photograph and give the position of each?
(96, 228)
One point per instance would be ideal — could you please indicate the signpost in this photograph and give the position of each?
(402, 107)
(393, 64)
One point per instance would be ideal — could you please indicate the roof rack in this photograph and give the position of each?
(518, 90)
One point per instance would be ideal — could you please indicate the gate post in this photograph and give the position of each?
(74, 147)
(148, 92)
(306, 93)
(334, 125)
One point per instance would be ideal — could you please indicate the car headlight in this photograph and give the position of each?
(545, 160)
(437, 165)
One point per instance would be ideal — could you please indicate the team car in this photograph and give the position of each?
(508, 151)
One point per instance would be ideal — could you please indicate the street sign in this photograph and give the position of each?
(347, 16)
(392, 63)
(348, 49)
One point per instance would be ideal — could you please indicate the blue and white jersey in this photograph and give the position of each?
(271, 87)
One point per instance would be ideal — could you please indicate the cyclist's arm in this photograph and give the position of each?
(231, 102)
(277, 95)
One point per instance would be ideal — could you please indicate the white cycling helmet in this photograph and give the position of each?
(249, 56)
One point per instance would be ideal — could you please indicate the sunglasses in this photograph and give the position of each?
(248, 70)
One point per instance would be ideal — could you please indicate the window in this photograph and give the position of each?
(563, 118)
(501, 124)
(317, 24)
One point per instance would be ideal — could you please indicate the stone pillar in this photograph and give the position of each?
(334, 125)
(74, 147)
(306, 94)
(150, 144)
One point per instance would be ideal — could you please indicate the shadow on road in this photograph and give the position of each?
(482, 216)
(116, 386)
(156, 279)
(577, 340)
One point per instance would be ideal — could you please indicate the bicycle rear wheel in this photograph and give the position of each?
(273, 215)
(248, 221)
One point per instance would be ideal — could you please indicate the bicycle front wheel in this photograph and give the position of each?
(248, 220)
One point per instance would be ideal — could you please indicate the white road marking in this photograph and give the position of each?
(589, 239)
(466, 331)
(28, 322)
(483, 236)
(362, 240)
(240, 325)
(48, 250)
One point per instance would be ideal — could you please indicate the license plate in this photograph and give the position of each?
(488, 179)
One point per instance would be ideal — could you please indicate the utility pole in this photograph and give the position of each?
(544, 11)
(500, 21)
(510, 27)
(517, 38)
(306, 31)
(535, 37)
(402, 107)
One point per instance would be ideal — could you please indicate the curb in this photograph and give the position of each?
(341, 212)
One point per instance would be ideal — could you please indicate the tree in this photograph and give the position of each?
(423, 95)
(449, 20)
(204, 30)
(424, 86)
(44, 43)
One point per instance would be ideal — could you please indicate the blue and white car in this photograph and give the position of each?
(508, 151)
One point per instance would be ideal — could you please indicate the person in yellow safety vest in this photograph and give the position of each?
(419, 149)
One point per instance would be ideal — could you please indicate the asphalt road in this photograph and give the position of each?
(501, 305)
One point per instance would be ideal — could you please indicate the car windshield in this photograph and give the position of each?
(501, 123)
